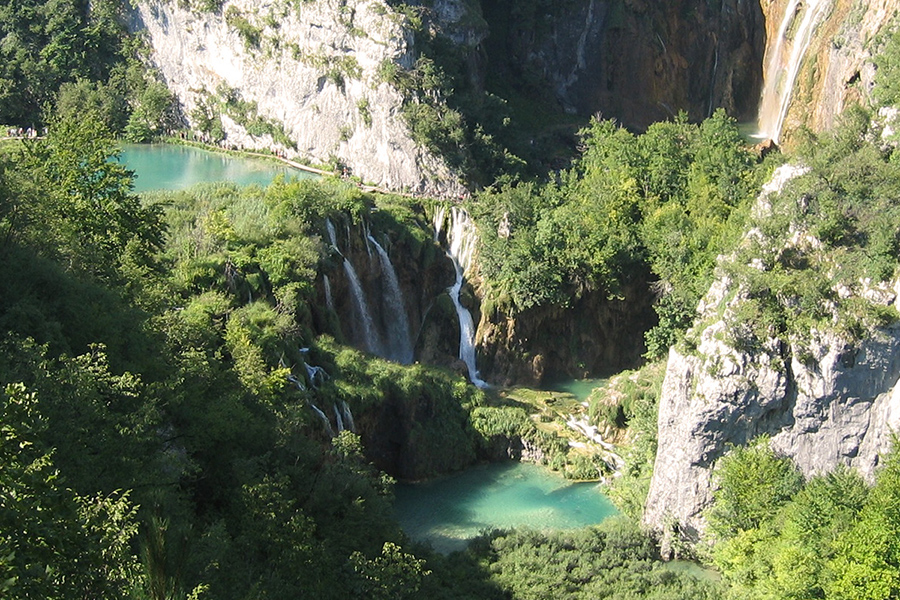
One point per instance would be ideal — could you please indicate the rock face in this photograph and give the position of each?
(309, 70)
(823, 402)
(596, 335)
(837, 69)
(637, 61)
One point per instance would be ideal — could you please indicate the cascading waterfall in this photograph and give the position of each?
(782, 68)
(338, 419)
(315, 374)
(348, 416)
(399, 343)
(329, 301)
(325, 422)
(461, 239)
(332, 236)
(363, 315)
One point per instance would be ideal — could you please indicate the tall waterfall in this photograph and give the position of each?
(783, 62)
(348, 416)
(338, 418)
(326, 424)
(462, 239)
(332, 236)
(399, 344)
(363, 315)
(329, 300)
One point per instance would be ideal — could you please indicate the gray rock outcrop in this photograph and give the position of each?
(312, 69)
(822, 396)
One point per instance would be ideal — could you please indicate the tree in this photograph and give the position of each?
(53, 542)
(93, 216)
(752, 484)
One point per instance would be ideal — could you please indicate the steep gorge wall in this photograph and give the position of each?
(633, 60)
(596, 335)
(823, 403)
(837, 69)
(311, 69)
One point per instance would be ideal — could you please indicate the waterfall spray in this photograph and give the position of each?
(363, 315)
(399, 344)
(462, 239)
(780, 75)
(348, 416)
(326, 424)
(329, 301)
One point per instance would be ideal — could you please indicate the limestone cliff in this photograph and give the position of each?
(302, 77)
(824, 396)
(837, 68)
(636, 61)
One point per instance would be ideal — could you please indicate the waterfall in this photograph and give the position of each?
(315, 374)
(782, 67)
(348, 416)
(325, 422)
(439, 215)
(338, 419)
(297, 383)
(332, 236)
(399, 344)
(461, 239)
(363, 315)
(329, 301)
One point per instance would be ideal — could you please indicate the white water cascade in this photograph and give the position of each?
(348, 416)
(329, 301)
(332, 236)
(363, 315)
(399, 347)
(325, 422)
(462, 238)
(338, 419)
(801, 17)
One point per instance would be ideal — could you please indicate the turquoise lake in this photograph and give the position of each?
(450, 511)
(580, 388)
(175, 167)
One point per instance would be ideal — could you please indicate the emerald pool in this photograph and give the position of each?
(176, 167)
(449, 511)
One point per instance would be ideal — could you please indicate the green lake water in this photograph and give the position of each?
(175, 167)
(450, 511)
(580, 388)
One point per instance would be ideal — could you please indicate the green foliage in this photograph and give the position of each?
(752, 484)
(249, 33)
(245, 113)
(613, 560)
(151, 117)
(832, 229)
(669, 201)
(47, 43)
(866, 558)
(887, 77)
(53, 542)
(90, 217)
(636, 402)
(834, 538)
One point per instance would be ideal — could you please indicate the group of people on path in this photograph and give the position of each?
(23, 132)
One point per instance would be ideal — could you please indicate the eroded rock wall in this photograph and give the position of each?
(633, 60)
(824, 401)
(311, 68)
(596, 335)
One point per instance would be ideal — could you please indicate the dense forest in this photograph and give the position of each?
(156, 437)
